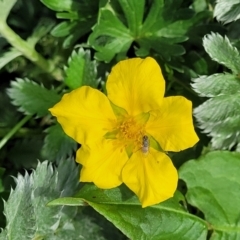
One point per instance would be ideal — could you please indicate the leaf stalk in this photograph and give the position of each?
(28, 51)
(14, 130)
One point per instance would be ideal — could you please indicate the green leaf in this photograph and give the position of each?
(28, 216)
(19, 201)
(67, 15)
(130, 8)
(67, 201)
(196, 62)
(8, 56)
(45, 187)
(227, 11)
(72, 30)
(43, 27)
(32, 98)
(83, 16)
(3, 235)
(5, 8)
(64, 28)
(109, 36)
(57, 144)
(219, 116)
(168, 48)
(221, 50)
(60, 6)
(81, 70)
(122, 23)
(3, 195)
(199, 5)
(214, 188)
(215, 85)
(167, 220)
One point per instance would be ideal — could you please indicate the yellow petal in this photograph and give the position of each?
(172, 126)
(137, 85)
(153, 178)
(102, 164)
(85, 114)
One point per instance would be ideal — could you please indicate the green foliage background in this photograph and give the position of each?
(50, 47)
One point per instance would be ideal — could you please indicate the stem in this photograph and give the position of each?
(14, 130)
(27, 50)
(23, 132)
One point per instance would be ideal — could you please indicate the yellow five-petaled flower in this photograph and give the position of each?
(124, 135)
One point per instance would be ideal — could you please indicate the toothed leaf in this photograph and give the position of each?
(215, 85)
(28, 216)
(18, 210)
(219, 116)
(122, 23)
(221, 50)
(227, 11)
(3, 235)
(81, 71)
(57, 144)
(32, 98)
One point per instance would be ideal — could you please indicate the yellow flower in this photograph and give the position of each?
(125, 134)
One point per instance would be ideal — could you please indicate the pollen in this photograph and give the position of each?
(131, 133)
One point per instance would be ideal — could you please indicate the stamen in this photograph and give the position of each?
(131, 133)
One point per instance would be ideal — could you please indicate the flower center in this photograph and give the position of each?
(131, 133)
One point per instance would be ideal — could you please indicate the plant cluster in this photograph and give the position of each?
(73, 60)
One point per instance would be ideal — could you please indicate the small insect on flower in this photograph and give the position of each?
(145, 144)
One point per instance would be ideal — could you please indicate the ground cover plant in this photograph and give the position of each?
(119, 119)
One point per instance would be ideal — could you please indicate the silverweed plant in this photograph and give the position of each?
(119, 120)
